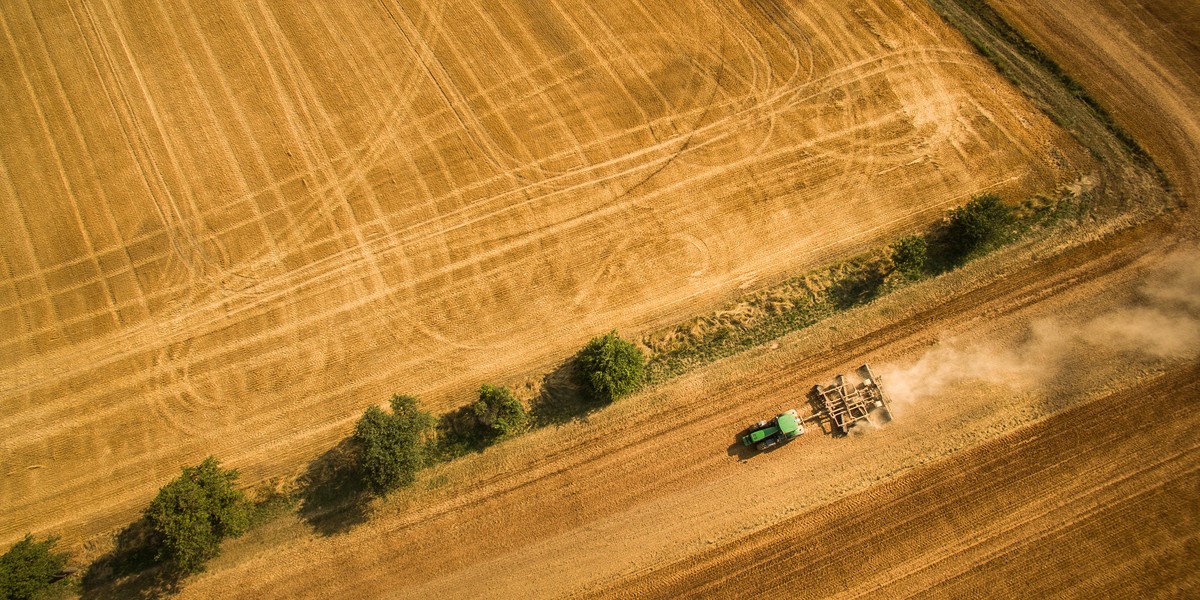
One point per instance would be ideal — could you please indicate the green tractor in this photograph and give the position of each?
(783, 428)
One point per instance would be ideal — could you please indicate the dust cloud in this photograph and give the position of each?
(1162, 321)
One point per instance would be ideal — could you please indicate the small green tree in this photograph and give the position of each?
(27, 569)
(392, 446)
(498, 411)
(611, 367)
(192, 514)
(909, 256)
(977, 226)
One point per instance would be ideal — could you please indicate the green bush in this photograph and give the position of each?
(611, 367)
(978, 226)
(391, 446)
(27, 569)
(192, 514)
(499, 413)
(909, 256)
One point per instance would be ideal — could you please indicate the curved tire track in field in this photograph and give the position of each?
(331, 267)
(393, 286)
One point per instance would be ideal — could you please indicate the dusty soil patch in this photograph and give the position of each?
(1097, 484)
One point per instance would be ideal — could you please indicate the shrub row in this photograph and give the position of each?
(184, 525)
(984, 223)
(191, 515)
(967, 232)
(29, 568)
(393, 448)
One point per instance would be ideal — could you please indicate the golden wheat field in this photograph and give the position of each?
(230, 226)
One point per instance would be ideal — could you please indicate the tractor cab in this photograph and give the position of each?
(767, 434)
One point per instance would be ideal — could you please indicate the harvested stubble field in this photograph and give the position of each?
(233, 225)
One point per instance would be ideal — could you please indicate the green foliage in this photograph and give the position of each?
(498, 412)
(909, 255)
(496, 415)
(458, 433)
(27, 569)
(192, 514)
(977, 227)
(392, 446)
(611, 367)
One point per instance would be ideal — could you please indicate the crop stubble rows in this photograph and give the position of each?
(233, 225)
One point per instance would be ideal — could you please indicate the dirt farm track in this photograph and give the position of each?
(232, 225)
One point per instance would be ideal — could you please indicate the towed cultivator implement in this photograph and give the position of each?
(841, 406)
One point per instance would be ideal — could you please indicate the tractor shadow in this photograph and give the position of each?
(739, 450)
(334, 497)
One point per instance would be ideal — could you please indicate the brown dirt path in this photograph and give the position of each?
(1098, 499)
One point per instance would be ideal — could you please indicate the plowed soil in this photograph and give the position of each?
(1139, 59)
(233, 225)
(1025, 515)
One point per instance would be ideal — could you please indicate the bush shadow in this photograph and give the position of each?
(333, 496)
(860, 285)
(562, 398)
(459, 433)
(131, 569)
(944, 253)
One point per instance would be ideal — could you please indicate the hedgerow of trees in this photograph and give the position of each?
(611, 367)
(392, 446)
(192, 514)
(29, 567)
